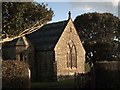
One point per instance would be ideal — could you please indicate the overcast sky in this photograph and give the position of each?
(78, 7)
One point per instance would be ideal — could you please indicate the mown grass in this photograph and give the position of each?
(57, 84)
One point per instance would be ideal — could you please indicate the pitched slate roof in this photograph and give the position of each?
(10, 43)
(46, 37)
(19, 41)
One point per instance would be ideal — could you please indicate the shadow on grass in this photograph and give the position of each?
(57, 84)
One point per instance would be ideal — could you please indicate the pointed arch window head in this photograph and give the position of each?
(70, 29)
(71, 55)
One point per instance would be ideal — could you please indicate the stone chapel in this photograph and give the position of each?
(52, 52)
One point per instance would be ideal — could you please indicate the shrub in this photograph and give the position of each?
(15, 74)
(107, 74)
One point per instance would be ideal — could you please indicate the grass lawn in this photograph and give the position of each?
(57, 84)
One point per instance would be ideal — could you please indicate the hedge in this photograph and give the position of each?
(15, 74)
(107, 74)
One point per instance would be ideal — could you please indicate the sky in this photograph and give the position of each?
(78, 7)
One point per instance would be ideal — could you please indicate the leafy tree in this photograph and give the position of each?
(18, 16)
(100, 34)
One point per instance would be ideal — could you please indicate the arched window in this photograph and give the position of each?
(23, 57)
(71, 55)
(74, 57)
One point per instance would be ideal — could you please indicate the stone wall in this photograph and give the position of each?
(45, 67)
(61, 50)
(108, 65)
(107, 74)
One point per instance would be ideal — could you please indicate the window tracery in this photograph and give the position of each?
(71, 55)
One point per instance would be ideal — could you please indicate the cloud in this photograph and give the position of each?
(96, 6)
(115, 2)
(110, 6)
(88, 8)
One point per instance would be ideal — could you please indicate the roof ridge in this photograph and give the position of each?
(65, 21)
(57, 22)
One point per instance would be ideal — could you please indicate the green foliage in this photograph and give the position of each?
(100, 34)
(18, 16)
(107, 74)
(15, 74)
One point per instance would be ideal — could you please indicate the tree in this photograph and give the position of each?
(100, 34)
(16, 17)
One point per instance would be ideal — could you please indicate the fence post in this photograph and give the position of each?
(93, 81)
